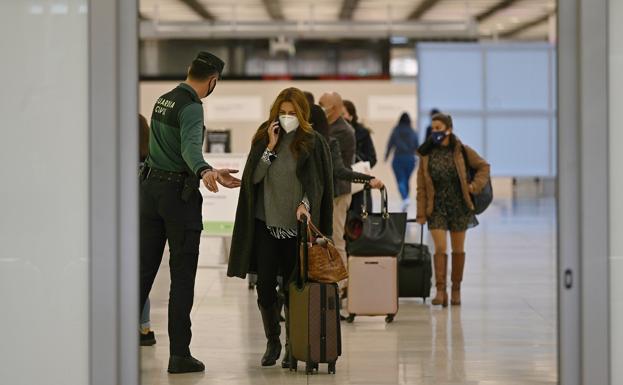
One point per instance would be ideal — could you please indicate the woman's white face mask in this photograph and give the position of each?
(289, 122)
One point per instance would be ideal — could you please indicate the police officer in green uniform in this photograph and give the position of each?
(170, 201)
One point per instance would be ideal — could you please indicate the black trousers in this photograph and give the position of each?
(274, 257)
(165, 216)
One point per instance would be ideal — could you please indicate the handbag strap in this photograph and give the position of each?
(313, 230)
(384, 202)
(467, 166)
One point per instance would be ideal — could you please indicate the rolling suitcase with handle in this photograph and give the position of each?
(372, 287)
(414, 269)
(314, 312)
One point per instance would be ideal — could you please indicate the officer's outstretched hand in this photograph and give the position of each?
(209, 180)
(226, 179)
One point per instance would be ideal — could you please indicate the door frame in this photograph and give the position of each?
(583, 225)
(113, 196)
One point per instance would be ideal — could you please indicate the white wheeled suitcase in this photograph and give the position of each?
(372, 287)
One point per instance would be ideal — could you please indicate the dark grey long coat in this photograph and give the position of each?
(315, 172)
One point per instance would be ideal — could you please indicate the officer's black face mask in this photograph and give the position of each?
(212, 87)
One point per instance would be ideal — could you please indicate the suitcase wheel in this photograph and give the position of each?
(350, 318)
(310, 367)
(390, 318)
(331, 367)
(294, 365)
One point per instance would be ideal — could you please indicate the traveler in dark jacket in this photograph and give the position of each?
(365, 147)
(365, 150)
(444, 200)
(344, 133)
(319, 122)
(404, 142)
(287, 176)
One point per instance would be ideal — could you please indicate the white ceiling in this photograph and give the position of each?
(520, 12)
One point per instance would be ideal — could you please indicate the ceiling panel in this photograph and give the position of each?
(374, 10)
(321, 10)
(173, 10)
(520, 12)
(241, 10)
(456, 10)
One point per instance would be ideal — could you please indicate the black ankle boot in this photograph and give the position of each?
(181, 364)
(272, 329)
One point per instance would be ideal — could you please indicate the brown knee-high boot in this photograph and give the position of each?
(458, 264)
(441, 272)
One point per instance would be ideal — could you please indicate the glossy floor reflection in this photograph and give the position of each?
(504, 333)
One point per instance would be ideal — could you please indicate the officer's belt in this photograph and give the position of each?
(170, 176)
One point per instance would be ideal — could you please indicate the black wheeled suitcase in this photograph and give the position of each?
(414, 269)
(315, 334)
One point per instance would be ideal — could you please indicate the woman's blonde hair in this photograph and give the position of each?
(302, 140)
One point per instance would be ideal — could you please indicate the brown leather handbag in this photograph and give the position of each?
(325, 264)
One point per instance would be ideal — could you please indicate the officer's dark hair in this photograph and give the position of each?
(201, 71)
(446, 119)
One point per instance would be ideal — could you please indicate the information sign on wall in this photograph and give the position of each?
(233, 109)
(219, 209)
(390, 107)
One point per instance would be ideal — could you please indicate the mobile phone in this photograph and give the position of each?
(276, 129)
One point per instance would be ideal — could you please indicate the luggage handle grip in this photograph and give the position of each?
(421, 230)
(302, 271)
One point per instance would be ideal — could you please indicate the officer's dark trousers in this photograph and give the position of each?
(165, 216)
(274, 257)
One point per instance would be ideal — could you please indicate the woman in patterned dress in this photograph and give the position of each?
(444, 200)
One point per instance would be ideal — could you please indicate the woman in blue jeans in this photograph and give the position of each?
(404, 142)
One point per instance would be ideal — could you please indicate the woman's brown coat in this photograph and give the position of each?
(426, 190)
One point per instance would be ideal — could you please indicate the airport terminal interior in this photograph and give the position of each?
(505, 331)
(529, 87)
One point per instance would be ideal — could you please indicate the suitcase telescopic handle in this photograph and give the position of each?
(303, 252)
(421, 230)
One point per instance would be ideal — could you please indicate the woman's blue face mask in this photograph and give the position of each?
(438, 136)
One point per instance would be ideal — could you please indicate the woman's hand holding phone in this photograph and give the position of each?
(273, 135)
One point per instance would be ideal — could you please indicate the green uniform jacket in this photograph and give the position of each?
(315, 172)
(176, 136)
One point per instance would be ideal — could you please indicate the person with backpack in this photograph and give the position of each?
(444, 200)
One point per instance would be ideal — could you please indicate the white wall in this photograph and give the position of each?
(43, 193)
(255, 97)
(616, 191)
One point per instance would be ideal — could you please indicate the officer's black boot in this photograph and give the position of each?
(272, 329)
(181, 364)
(286, 356)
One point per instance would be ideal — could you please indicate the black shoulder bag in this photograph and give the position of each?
(483, 199)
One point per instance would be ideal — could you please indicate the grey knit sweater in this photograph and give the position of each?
(280, 192)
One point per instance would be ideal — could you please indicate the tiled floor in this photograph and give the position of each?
(504, 333)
